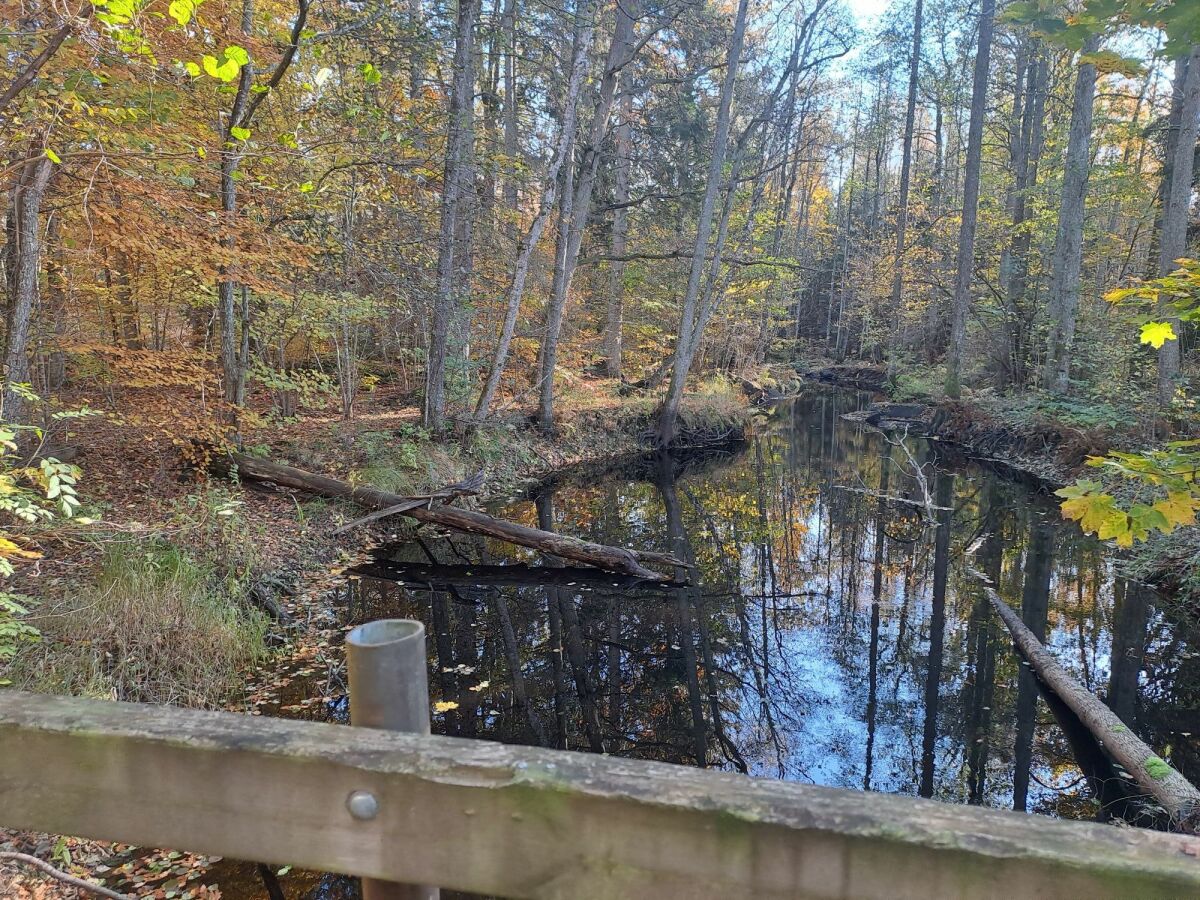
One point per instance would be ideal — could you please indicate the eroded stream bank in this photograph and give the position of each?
(832, 634)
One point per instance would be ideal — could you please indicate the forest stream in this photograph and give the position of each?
(831, 634)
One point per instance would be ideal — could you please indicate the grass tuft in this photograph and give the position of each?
(163, 622)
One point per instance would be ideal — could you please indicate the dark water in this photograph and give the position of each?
(832, 635)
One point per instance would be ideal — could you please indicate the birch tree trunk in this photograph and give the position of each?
(970, 213)
(686, 344)
(1178, 195)
(454, 188)
(1068, 241)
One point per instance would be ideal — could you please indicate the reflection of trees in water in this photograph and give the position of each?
(830, 635)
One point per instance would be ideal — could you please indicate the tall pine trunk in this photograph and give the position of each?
(1177, 197)
(446, 327)
(970, 213)
(910, 114)
(1068, 241)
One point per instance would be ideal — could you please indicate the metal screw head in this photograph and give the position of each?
(362, 805)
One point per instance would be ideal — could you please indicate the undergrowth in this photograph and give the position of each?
(164, 619)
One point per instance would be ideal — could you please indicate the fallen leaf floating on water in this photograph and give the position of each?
(444, 706)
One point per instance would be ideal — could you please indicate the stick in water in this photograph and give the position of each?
(1174, 793)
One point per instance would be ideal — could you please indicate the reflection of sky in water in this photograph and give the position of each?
(784, 535)
(808, 642)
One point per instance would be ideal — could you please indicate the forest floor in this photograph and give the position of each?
(158, 592)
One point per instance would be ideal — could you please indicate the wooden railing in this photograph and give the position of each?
(525, 822)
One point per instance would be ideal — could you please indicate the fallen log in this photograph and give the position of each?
(1178, 796)
(612, 559)
(465, 488)
(444, 577)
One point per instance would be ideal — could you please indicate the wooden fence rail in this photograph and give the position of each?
(524, 822)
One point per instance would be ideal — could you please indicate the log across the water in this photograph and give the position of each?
(1178, 796)
(444, 577)
(612, 559)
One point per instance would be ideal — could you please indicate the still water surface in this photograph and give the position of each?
(831, 634)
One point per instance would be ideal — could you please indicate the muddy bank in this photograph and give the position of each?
(1042, 453)
(1046, 454)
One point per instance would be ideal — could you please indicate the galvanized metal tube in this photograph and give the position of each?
(389, 689)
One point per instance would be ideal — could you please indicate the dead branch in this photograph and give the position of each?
(98, 889)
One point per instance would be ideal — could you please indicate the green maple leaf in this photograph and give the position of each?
(1157, 333)
(1178, 509)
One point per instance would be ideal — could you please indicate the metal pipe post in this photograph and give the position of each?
(389, 689)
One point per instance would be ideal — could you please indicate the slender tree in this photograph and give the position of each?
(910, 114)
(965, 263)
(1068, 241)
(1177, 199)
(685, 348)
(446, 335)
(622, 164)
(581, 203)
(1026, 154)
(581, 41)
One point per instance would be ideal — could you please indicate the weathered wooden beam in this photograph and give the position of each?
(524, 822)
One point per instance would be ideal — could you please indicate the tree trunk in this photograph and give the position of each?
(54, 311)
(910, 113)
(25, 260)
(687, 342)
(1068, 241)
(444, 343)
(511, 142)
(1171, 790)
(614, 320)
(970, 213)
(1178, 195)
(618, 53)
(1014, 264)
(415, 22)
(1017, 150)
(562, 151)
(232, 377)
(30, 73)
